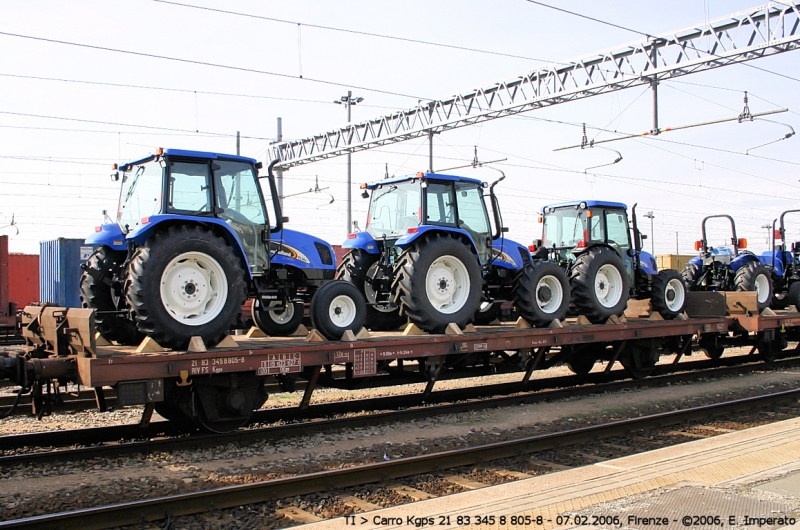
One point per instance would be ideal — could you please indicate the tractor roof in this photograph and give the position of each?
(589, 204)
(190, 154)
(427, 176)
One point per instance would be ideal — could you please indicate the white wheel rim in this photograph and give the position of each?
(342, 311)
(194, 288)
(282, 315)
(608, 286)
(371, 295)
(762, 288)
(549, 294)
(677, 290)
(447, 284)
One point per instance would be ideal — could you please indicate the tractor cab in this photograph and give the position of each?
(403, 209)
(569, 229)
(188, 185)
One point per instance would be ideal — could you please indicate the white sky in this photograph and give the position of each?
(54, 173)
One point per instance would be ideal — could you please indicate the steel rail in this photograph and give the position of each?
(349, 423)
(230, 496)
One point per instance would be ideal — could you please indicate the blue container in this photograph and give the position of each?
(60, 270)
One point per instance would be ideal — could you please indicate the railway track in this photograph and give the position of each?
(383, 472)
(163, 436)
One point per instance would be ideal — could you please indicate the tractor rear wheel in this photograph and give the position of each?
(101, 292)
(755, 277)
(280, 322)
(542, 293)
(184, 282)
(355, 268)
(668, 296)
(690, 275)
(439, 282)
(336, 307)
(794, 295)
(600, 284)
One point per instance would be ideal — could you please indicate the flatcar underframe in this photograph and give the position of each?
(228, 380)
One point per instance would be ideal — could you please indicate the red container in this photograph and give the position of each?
(23, 274)
(4, 300)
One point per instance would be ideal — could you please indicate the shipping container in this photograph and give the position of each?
(60, 270)
(23, 274)
(676, 262)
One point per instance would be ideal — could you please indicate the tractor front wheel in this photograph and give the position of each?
(755, 277)
(278, 319)
(184, 282)
(439, 282)
(600, 284)
(542, 293)
(668, 296)
(336, 307)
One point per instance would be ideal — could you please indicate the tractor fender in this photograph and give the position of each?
(509, 254)
(697, 260)
(109, 235)
(421, 231)
(743, 259)
(648, 263)
(363, 241)
(144, 231)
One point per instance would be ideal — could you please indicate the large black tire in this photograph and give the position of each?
(794, 295)
(281, 323)
(336, 307)
(101, 293)
(439, 282)
(600, 284)
(353, 268)
(194, 272)
(690, 275)
(755, 277)
(542, 293)
(668, 296)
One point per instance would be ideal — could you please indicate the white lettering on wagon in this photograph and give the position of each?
(280, 363)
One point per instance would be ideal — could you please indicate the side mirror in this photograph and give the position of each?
(364, 194)
(504, 229)
(115, 176)
(644, 236)
(284, 219)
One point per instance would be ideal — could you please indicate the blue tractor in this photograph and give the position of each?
(603, 257)
(429, 255)
(785, 265)
(728, 268)
(192, 241)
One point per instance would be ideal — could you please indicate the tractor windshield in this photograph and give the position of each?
(564, 228)
(140, 195)
(394, 208)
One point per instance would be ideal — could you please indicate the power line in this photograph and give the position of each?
(355, 32)
(153, 127)
(204, 63)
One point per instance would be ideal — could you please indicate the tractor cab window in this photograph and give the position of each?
(239, 204)
(563, 228)
(141, 194)
(441, 204)
(394, 209)
(238, 194)
(472, 216)
(617, 230)
(189, 190)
